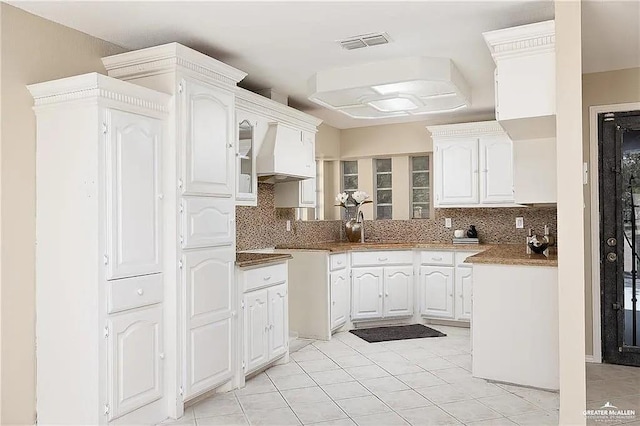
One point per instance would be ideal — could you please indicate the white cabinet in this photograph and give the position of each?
(496, 170)
(256, 328)
(135, 360)
(99, 218)
(473, 165)
(456, 165)
(366, 285)
(339, 293)
(250, 132)
(463, 290)
(208, 166)
(206, 222)
(382, 292)
(278, 322)
(134, 191)
(266, 315)
(398, 291)
(208, 277)
(436, 285)
(446, 285)
(296, 194)
(525, 79)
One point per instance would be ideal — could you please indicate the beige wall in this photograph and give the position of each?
(33, 50)
(603, 88)
(391, 139)
(327, 142)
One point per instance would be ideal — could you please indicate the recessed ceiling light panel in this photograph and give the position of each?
(393, 104)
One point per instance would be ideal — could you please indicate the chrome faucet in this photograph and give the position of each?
(361, 222)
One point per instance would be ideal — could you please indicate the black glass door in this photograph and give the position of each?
(619, 149)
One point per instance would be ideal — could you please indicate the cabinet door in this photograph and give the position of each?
(496, 170)
(208, 165)
(256, 329)
(278, 320)
(134, 363)
(339, 298)
(133, 190)
(436, 284)
(398, 291)
(208, 278)
(309, 154)
(456, 168)
(308, 194)
(464, 285)
(366, 285)
(246, 179)
(207, 221)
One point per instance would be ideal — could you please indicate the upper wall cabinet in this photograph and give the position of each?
(473, 165)
(209, 128)
(525, 79)
(250, 130)
(283, 148)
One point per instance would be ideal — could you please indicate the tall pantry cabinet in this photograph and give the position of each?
(100, 268)
(200, 185)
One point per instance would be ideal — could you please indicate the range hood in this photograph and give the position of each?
(285, 156)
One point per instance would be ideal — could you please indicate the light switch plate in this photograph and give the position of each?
(519, 222)
(288, 225)
(447, 222)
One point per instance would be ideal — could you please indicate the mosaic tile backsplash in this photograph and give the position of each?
(265, 226)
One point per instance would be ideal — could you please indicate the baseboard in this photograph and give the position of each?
(591, 359)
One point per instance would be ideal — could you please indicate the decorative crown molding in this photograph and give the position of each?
(466, 129)
(164, 58)
(521, 41)
(259, 104)
(94, 86)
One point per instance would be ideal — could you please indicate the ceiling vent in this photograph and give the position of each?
(364, 40)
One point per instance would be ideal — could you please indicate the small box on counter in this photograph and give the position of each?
(466, 240)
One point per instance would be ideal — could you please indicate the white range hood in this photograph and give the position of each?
(287, 154)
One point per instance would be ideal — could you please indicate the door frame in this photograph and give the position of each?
(594, 181)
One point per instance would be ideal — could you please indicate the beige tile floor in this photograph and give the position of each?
(616, 384)
(348, 381)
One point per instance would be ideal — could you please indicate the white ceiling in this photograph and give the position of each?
(282, 44)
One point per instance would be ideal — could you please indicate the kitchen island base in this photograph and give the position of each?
(514, 324)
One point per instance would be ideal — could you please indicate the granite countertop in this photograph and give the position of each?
(340, 246)
(244, 260)
(513, 254)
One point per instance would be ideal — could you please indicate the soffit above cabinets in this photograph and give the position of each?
(395, 88)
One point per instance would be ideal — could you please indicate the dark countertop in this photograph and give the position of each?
(244, 260)
(513, 254)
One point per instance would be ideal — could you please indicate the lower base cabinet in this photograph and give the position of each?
(266, 329)
(382, 292)
(135, 361)
(436, 284)
(464, 284)
(339, 283)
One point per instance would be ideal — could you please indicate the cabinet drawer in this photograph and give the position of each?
(264, 276)
(436, 258)
(338, 261)
(379, 258)
(129, 293)
(462, 255)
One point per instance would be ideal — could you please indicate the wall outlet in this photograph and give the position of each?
(519, 222)
(289, 225)
(447, 222)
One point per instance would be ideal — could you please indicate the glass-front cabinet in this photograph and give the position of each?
(246, 180)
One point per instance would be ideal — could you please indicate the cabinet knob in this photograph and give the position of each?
(161, 355)
(451, 295)
(436, 258)
(140, 291)
(267, 278)
(380, 295)
(386, 295)
(382, 259)
(339, 262)
(266, 328)
(160, 196)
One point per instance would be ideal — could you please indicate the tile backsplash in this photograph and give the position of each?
(265, 226)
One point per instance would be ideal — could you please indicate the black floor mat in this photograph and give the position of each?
(400, 332)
